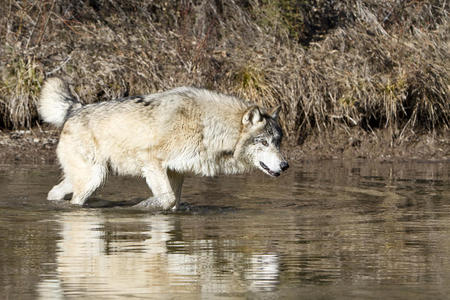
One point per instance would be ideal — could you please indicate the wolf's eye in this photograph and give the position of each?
(265, 143)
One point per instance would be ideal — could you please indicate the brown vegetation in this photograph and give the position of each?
(332, 65)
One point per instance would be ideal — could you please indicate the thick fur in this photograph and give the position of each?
(55, 102)
(160, 137)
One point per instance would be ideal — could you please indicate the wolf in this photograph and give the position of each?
(161, 137)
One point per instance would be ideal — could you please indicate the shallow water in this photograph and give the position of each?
(341, 230)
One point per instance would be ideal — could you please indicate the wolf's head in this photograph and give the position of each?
(263, 137)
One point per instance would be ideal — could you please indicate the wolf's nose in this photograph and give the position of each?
(284, 166)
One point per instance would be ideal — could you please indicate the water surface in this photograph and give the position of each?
(341, 230)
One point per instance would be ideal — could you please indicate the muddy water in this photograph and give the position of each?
(341, 230)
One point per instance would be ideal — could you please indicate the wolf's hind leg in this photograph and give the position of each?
(60, 190)
(85, 181)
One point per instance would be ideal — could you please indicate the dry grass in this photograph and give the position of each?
(368, 64)
(19, 88)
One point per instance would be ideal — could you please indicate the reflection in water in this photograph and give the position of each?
(127, 256)
(325, 230)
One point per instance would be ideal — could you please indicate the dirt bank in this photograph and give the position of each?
(37, 146)
(377, 145)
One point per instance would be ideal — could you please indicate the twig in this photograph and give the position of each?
(59, 67)
(44, 26)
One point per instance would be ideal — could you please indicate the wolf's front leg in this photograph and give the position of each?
(176, 182)
(164, 197)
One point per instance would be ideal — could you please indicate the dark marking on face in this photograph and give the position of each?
(270, 134)
(259, 139)
(274, 131)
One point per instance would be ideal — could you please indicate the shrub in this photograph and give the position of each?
(370, 64)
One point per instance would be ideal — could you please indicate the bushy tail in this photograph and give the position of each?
(56, 101)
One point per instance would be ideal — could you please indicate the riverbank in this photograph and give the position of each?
(352, 77)
(38, 145)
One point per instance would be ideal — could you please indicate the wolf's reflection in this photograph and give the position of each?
(98, 256)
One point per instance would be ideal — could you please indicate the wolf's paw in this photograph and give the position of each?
(154, 203)
(55, 195)
(59, 191)
(150, 203)
(76, 202)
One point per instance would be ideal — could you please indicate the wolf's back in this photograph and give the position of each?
(56, 101)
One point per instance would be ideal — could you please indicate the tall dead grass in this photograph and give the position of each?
(369, 64)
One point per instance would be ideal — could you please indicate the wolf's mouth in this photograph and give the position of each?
(269, 171)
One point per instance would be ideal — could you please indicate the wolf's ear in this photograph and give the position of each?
(252, 116)
(275, 112)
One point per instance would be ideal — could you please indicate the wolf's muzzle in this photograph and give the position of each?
(272, 173)
(284, 166)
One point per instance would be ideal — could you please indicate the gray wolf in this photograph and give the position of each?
(161, 137)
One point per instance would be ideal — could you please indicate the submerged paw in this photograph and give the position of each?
(154, 203)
